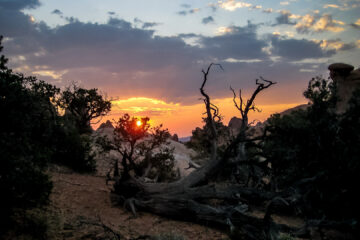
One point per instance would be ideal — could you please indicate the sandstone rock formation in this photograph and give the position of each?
(235, 125)
(107, 124)
(347, 80)
(175, 137)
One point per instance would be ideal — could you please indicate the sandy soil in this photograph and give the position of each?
(86, 211)
(84, 208)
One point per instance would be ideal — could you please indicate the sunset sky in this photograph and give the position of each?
(147, 55)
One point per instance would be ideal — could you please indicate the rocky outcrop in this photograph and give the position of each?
(175, 137)
(107, 124)
(235, 125)
(290, 110)
(347, 80)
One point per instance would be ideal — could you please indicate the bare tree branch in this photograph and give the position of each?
(234, 100)
(250, 105)
(209, 106)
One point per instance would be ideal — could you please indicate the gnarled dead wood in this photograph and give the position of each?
(188, 198)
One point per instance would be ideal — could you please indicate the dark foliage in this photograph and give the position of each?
(200, 140)
(32, 135)
(26, 132)
(317, 143)
(84, 105)
(145, 151)
(73, 142)
(72, 148)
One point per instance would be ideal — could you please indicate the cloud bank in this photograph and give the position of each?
(127, 61)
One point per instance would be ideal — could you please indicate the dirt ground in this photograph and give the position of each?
(85, 210)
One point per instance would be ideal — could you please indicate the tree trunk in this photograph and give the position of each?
(194, 198)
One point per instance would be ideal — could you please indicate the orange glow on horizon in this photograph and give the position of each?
(182, 119)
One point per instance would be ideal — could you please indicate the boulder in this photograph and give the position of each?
(235, 125)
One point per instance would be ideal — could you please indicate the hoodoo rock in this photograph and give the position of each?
(347, 80)
(340, 69)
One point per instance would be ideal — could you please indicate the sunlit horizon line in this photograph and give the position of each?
(140, 106)
(184, 128)
(145, 111)
(163, 102)
(152, 100)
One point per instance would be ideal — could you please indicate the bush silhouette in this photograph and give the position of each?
(318, 143)
(26, 132)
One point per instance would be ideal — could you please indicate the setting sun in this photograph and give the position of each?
(138, 123)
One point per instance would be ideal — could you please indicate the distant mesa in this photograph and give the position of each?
(185, 139)
(107, 124)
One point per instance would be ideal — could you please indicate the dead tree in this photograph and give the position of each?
(244, 108)
(190, 197)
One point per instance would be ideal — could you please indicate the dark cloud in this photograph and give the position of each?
(240, 43)
(188, 35)
(19, 4)
(145, 24)
(348, 46)
(284, 18)
(111, 13)
(356, 26)
(295, 49)
(338, 43)
(207, 20)
(71, 19)
(57, 12)
(119, 23)
(15, 23)
(191, 11)
(150, 24)
(91, 52)
(127, 61)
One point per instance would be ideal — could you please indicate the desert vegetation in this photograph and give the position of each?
(302, 164)
(34, 134)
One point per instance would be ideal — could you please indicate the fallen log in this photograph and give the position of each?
(190, 197)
